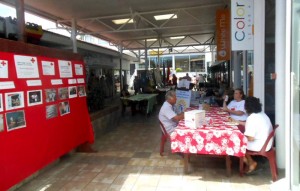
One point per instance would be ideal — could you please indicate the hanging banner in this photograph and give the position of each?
(242, 25)
(223, 34)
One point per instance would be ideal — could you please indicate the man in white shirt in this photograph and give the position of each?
(236, 108)
(167, 114)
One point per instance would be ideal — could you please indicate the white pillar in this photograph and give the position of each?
(20, 20)
(237, 70)
(282, 91)
(245, 72)
(73, 36)
(259, 51)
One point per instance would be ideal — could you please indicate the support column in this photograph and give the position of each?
(282, 90)
(237, 70)
(121, 58)
(73, 36)
(146, 55)
(245, 72)
(20, 20)
(259, 51)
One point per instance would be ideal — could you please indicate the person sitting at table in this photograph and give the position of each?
(236, 108)
(124, 93)
(168, 117)
(257, 129)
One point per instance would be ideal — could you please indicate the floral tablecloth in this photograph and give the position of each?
(217, 137)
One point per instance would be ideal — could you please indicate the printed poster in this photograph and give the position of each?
(65, 69)
(1, 103)
(1, 123)
(183, 100)
(15, 120)
(78, 69)
(26, 66)
(3, 69)
(14, 100)
(48, 68)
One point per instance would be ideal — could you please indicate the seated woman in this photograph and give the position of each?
(257, 129)
(236, 108)
(124, 93)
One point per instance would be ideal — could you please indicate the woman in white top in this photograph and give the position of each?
(236, 108)
(257, 129)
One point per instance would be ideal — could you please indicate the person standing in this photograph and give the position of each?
(174, 80)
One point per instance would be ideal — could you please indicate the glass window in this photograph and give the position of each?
(182, 63)
(295, 97)
(197, 63)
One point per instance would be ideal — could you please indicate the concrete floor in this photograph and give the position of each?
(128, 160)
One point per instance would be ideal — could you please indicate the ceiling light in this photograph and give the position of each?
(165, 17)
(122, 21)
(151, 39)
(177, 37)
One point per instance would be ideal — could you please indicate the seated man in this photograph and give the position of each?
(167, 115)
(257, 129)
(236, 108)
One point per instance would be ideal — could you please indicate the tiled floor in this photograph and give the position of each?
(128, 159)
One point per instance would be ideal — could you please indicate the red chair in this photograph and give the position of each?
(270, 155)
(164, 137)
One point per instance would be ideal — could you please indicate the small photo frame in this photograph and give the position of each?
(64, 108)
(51, 111)
(51, 95)
(15, 120)
(81, 91)
(14, 100)
(1, 103)
(63, 93)
(72, 91)
(34, 97)
(1, 123)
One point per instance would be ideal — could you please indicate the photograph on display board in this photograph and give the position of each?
(1, 123)
(51, 111)
(64, 108)
(34, 97)
(63, 93)
(72, 91)
(15, 120)
(81, 91)
(1, 103)
(14, 100)
(50, 95)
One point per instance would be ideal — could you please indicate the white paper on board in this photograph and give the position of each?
(3, 69)
(26, 66)
(7, 85)
(72, 81)
(48, 68)
(80, 80)
(34, 82)
(65, 69)
(78, 69)
(56, 82)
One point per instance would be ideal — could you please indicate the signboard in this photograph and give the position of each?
(183, 100)
(242, 25)
(223, 34)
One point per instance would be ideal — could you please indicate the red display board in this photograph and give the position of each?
(43, 113)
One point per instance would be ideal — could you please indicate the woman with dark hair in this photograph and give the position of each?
(257, 129)
(236, 108)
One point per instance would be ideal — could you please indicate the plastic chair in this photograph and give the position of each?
(270, 155)
(164, 137)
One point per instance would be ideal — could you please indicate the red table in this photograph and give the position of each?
(218, 137)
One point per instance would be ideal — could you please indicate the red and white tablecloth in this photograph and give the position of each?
(214, 138)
